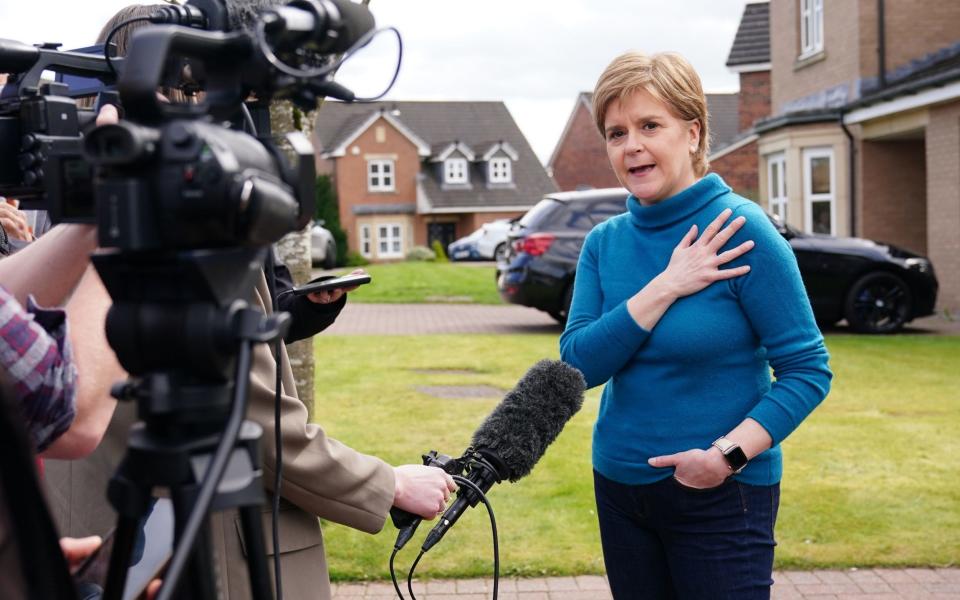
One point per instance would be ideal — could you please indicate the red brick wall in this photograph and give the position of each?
(581, 159)
(754, 98)
(739, 170)
(894, 193)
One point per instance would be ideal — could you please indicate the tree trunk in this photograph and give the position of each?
(294, 251)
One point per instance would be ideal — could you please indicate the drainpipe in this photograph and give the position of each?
(881, 46)
(851, 173)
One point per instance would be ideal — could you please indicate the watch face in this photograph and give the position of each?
(736, 458)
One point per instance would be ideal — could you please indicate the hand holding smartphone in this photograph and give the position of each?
(351, 280)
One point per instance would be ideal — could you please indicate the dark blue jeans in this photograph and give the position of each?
(665, 541)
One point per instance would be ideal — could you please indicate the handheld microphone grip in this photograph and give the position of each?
(408, 522)
(486, 469)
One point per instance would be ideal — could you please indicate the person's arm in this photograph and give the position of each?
(97, 370)
(774, 300)
(324, 476)
(51, 267)
(35, 357)
(600, 344)
(309, 314)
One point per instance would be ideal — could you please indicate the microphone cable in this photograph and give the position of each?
(277, 430)
(496, 546)
(301, 73)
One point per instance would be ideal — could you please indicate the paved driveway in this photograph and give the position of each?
(418, 319)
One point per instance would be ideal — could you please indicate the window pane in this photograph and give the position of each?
(396, 245)
(387, 181)
(375, 181)
(396, 231)
(820, 175)
(821, 217)
(383, 231)
(775, 179)
(374, 168)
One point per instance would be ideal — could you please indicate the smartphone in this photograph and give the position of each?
(332, 284)
(151, 551)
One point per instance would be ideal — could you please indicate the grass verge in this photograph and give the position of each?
(870, 478)
(425, 282)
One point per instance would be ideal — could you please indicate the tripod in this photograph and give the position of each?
(179, 325)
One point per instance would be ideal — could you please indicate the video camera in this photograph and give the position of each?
(186, 204)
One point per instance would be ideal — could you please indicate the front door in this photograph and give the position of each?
(446, 233)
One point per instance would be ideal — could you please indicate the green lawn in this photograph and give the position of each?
(871, 479)
(419, 282)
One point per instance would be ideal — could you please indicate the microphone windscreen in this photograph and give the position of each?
(356, 20)
(531, 415)
(242, 14)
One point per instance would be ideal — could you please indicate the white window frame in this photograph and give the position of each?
(366, 241)
(385, 169)
(393, 240)
(809, 198)
(777, 199)
(456, 170)
(500, 170)
(811, 27)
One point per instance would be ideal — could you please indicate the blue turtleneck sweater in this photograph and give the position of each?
(706, 364)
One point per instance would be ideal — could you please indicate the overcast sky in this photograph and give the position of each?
(535, 55)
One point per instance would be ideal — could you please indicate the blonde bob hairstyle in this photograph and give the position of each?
(666, 76)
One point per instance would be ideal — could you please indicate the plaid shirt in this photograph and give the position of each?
(35, 355)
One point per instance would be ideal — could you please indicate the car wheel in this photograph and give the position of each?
(330, 259)
(878, 303)
(500, 253)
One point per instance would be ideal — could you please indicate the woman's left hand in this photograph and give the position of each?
(700, 469)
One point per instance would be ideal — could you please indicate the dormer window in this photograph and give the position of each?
(455, 170)
(500, 170)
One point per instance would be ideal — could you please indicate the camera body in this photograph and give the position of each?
(41, 161)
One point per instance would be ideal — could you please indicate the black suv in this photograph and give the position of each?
(876, 287)
(544, 247)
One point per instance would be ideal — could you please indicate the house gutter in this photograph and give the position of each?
(881, 45)
(851, 172)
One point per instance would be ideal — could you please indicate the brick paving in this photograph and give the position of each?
(420, 319)
(426, 319)
(849, 584)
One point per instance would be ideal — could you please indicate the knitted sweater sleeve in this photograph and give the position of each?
(775, 302)
(598, 344)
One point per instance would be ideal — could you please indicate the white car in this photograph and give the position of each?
(323, 248)
(487, 243)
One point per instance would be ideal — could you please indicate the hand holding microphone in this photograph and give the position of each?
(422, 490)
(509, 442)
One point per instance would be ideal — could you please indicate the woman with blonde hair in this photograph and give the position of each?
(681, 306)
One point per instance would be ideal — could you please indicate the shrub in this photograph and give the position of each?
(439, 251)
(421, 253)
(327, 210)
(355, 259)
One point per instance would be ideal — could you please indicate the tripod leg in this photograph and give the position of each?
(256, 556)
(199, 579)
(123, 540)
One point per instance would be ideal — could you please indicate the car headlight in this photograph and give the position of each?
(918, 264)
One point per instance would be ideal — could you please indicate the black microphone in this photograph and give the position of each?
(326, 26)
(516, 434)
(330, 26)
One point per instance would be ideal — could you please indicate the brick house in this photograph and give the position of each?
(409, 173)
(579, 160)
(749, 57)
(863, 136)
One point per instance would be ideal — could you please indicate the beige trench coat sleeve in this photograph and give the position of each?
(320, 475)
